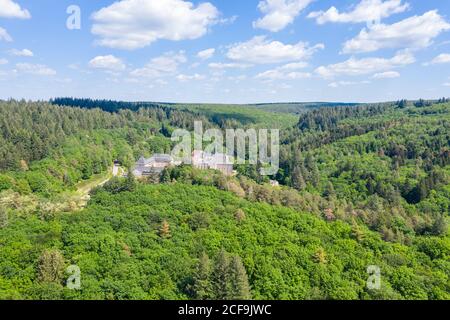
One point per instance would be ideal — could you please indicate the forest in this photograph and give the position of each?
(360, 186)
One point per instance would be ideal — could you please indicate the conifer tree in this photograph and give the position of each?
(164, 230)
(130, 184)
(220, 276)
(298, 182)
(239, 288)
(202, 286)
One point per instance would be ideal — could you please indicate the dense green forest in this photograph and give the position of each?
(360, 186)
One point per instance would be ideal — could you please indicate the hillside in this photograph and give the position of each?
(360, 186)
(118, 244)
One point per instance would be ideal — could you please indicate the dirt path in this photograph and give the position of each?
(85, 187)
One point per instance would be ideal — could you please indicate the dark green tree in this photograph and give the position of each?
(202, 286)
(298, 182)
(440, 226)
(130, 184)
(239, 288)
(329, 191)
(220, 276)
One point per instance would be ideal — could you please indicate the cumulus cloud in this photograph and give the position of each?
(132, 24)
(206, 54)
(21, 53)
(347, 83)
(10, 9)
(386, 75)
(35, 69)
(161, 66)
(447, 84)
(442, 58)
(358, 67)
(4, 35)
(277, 74)
(231, 65)
(278, 14)
(365, 11)
(285, 72)
(108, 62)
(184, 77)
(259, 50)
(3, 61)
(294, 66)
(415, 32)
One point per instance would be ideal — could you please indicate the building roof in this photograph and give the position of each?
(200, 157)
(155, 158)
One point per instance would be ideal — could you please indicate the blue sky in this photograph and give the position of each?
(226, 51)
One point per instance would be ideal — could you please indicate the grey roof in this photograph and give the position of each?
(162, 158)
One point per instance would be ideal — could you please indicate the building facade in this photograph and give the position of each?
(154, 165)
(218, 161)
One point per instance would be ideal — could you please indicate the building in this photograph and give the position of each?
(200, 159)
(217, 161)
(154, 165)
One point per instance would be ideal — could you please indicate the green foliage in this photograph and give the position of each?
(116, 241)
(51, 266)
(370, 187)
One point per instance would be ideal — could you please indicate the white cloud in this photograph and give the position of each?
(4, 35)
(414, 33)
(108, 62)
(285, 72)
(442, 58)
(231, 65)
(447, 84)
(358, 67)
(3, 61)
(294, 66)
(206, 54)
(278, 14)
(10, 9)
(161, 66)
(237, 79)
(365, 11)
(386, 75)
(261, 51)
(35, 69)
(347, 83)
(228, 21)
(132, 24)
(21, 53)
(277, 74)
(184, 77)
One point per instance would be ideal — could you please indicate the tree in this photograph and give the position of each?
(329, 191)
(298, 182)
(220, 276)
(239, 288)
(3, 218)
(165, 176)
(202, 286)
(357, 232)
(320, 256)
(239, 215)
(164, 230)
(439, 227)
(51, 266)
(130, 184)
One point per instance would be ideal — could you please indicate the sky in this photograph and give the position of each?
(225, 51)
